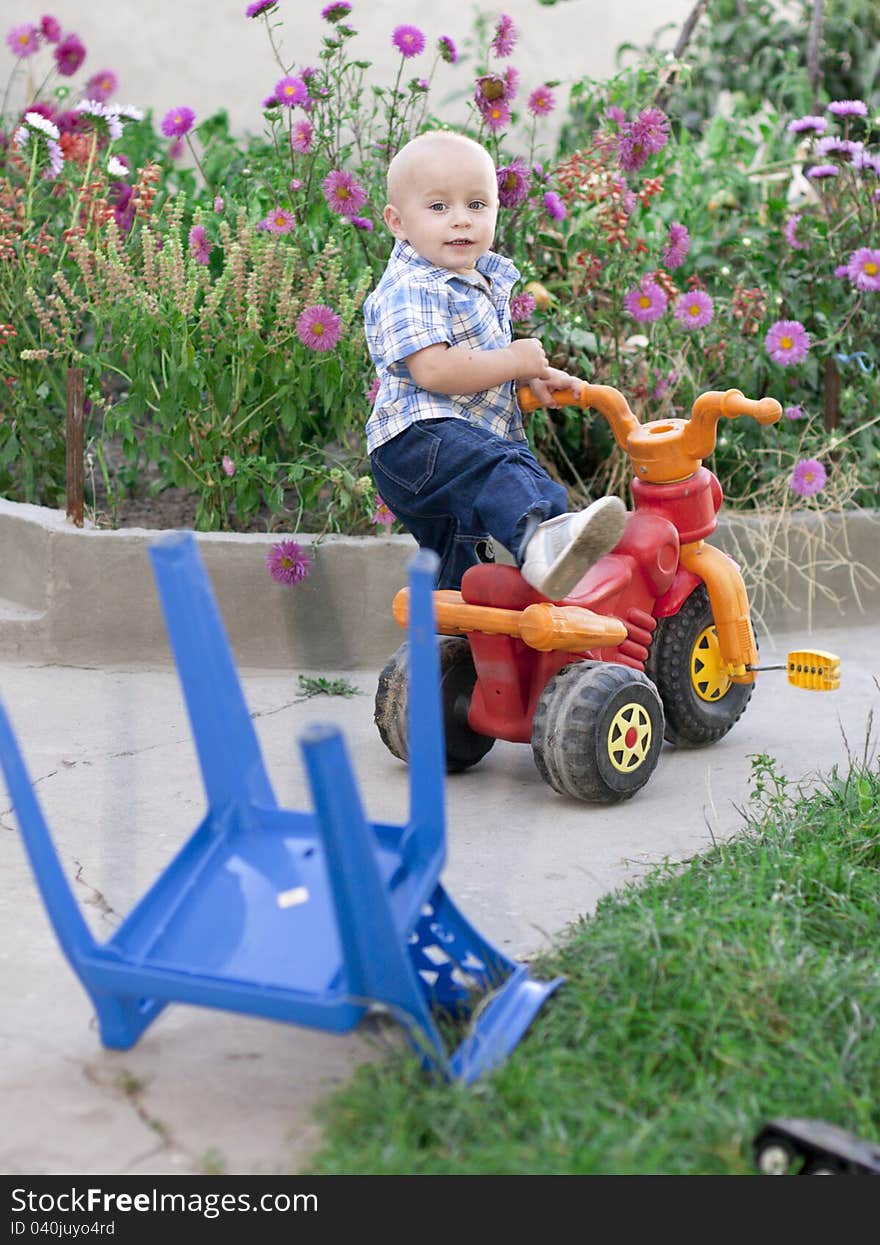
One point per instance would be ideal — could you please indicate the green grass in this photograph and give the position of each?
(698, 1004)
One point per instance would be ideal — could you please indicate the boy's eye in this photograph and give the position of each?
(476, 204)
(437, 207)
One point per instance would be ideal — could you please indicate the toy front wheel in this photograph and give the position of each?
(464, 747)
(597, 731)
(684, 661)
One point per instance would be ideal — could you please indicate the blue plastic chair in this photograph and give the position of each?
(310, 918)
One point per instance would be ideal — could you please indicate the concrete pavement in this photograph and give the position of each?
(110, 752)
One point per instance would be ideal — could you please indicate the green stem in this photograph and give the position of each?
(198, 162)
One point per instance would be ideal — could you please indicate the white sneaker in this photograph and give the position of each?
(563, 549)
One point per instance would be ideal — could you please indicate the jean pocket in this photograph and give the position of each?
(409, 458)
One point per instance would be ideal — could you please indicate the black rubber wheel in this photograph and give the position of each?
(700, 702)
(464, 747)
(775, 1157)
(597, 731)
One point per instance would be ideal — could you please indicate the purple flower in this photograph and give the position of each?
(288, 562)
(23, 40)
(615, 114)
(694, 310)
(490, 87)
(335, 12)
(641, 138)
(278, 221)
(408, 40)
(218, 203)
(787, 342)
(382, 516)
(228, 465)
(447, 49)
(69, 55)
(101, 85)
(344, 194)
(294, 185)
(831, 145)
(504, 39)
(848, 108)
(795, 412)
(841, 271)
(362, 222)
(818, 171)
(199, 245)
(803, 125)
(521, 307)
(291, 91)
(496, 115)
(370, 395)
(790, 234)
(50, 28)
(319, 327)
(863, 268)
(511, 82)
(553, 205)
(56, 158)
(258, 7)
(177, 122)
(513, 183)
(808, 477)
(541, 101)
(301, 136)
(663, 383)
(677, 246)
(645, 302)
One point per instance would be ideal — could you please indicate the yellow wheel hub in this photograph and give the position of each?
(629, 737)
(709, 677)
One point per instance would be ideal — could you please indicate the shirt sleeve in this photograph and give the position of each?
(412, 317)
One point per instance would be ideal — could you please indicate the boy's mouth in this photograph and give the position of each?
(460, 242)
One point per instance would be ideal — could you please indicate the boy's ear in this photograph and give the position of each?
(391, 216)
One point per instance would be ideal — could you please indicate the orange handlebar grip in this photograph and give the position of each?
(528, 402)
(569, 628)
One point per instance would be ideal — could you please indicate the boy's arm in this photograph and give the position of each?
(459, 369)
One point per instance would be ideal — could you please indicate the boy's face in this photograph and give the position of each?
(445, 204)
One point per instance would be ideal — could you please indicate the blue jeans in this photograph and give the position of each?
(454, 485)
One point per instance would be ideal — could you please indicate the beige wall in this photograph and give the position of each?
(207, 55)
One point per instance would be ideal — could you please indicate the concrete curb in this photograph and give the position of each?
(86, 596)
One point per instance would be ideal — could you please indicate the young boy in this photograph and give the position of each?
(447, 448)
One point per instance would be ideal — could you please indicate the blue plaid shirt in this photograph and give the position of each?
(416, 305)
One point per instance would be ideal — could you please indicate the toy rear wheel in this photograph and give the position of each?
(458, 675)
(597, 731)
(700, 702)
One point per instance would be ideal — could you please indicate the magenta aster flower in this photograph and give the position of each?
(795, 412)
(841, 271)
(790, 234)
(642, 138)
(370, 395)
(228, 465)
(23, 40)
(408, 40)
(291, 91)
(490, 87)
(344, 194)
(218, 203)
(69, 55)
(382, 516)
(863, 268)
(258, 7)
(521, 307)
(818, 171)
(694, 310)
(504, 39)
(615, 114)
(553, 205)
(678, 244)
(50, 28)
(447, 49)
(787, 342)
(513, 183)
(199, 245)
(177, 122)
(645, 302)
(808, 477)
(496, 115)
(288, 562)
(301, 136)
(362, 222)
(319, 327)
(335, 12)
(848, 108)
(101, 85)
(541, 101)
(806, 125)
(278, 221)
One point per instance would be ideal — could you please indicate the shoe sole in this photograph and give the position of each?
(598, 537)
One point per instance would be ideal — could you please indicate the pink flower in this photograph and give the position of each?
(447, 49)
(803, 125)
(677, 246)
(69, 55)
(23, 40)
(218, 203)
(101, 85)
(362, 222)
(370, 395)
(258, 7)
(50, 28)
(228, 465)
(642, 138)
(408, 40)
(177, 122)
(863, 268)
(541, 101)
(504, 39)
(615, 114)
(819, 171)
(382, 515)
(343, 192)
(645, 302)
(663, 383)
(199, 245)
(521, 307)
(301, 136)
(790, 235)
(848, 108)
(319, 327)
(335, 12)
(496, 115)
(795, 412)
(513, 183)
(694, 310)
(291, 91)
(787, 342)
(288, 562)
(553, 205)
(278, 221)
(808, 477)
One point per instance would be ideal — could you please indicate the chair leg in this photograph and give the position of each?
(122, 1020)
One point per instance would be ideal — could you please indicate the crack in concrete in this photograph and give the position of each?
(96, 898)
(131, 1089)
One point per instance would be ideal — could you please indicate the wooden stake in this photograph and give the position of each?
(75, 469)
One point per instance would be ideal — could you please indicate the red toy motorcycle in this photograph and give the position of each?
(654, 642)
